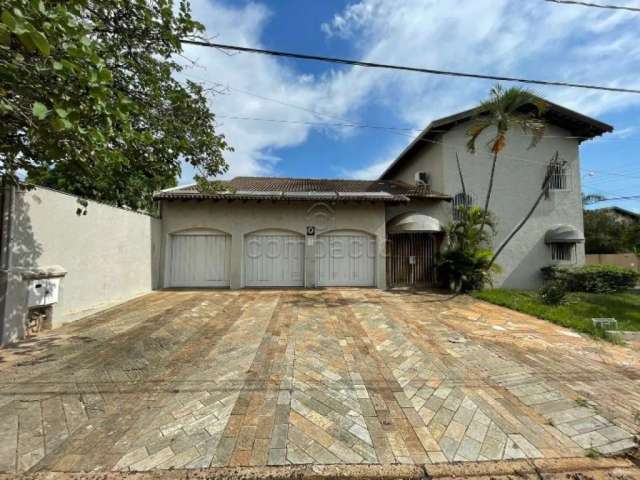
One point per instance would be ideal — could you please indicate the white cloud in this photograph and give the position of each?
(534, 39)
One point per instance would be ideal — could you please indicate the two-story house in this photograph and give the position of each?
(288, 232)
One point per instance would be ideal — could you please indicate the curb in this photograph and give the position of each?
(563, 468)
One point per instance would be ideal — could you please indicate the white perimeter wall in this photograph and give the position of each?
(110, 254)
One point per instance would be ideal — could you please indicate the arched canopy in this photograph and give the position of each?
(563, 234)
(413, 222)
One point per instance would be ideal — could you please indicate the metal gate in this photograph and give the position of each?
(411, 260)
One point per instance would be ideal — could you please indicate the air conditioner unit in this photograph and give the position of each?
(422, 179)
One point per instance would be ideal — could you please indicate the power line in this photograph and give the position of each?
(609, 199)
(344, 61)
(399, 130)
(347, 123)
(391, 129)
(321, 124)
(596, 5)
(421, 139)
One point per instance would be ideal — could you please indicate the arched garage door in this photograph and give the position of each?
(345, 259)
(274, 258)
(199, 259)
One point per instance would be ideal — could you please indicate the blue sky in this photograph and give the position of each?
(282, 116)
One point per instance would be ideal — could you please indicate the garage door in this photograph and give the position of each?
(200, 260)
(345, 259)
(274, 259)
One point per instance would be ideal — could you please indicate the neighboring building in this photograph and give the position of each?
(620, 214)
(268, 232)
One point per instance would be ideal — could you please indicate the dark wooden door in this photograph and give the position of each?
(411, 260)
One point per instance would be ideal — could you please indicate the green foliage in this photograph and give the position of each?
(553, 292)
(513, 107)
(576, 311)
(466, 263)
(604, 234)
(89, 102)
(593, 278)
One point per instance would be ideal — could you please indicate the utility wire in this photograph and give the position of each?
(609, 199)
(342, 122)
(394, 130)
(596, 5)
(399, 132)
(344, 61)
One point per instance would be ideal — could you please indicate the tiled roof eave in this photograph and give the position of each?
(279, 197)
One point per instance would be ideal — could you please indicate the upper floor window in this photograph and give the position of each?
(558, 179)
(460, 200)
(563, 252)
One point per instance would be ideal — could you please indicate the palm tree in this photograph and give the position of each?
(505, 109)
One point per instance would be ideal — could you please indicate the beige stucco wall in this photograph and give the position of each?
(110, 254)
(519, 175)
(239, 219)
(427, 159)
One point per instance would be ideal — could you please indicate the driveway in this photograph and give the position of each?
(207, 378)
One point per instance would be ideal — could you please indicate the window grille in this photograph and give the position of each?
(562, 252)
(460, 200)
(558, 179)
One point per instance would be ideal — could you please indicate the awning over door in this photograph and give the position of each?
(563, 234)
(413, 222)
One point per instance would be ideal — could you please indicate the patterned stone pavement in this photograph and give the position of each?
(190, 379)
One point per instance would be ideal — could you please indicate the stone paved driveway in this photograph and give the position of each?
(200, 378)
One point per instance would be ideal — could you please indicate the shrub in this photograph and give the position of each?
(465, 270)
(553, 292)
(466, 263)
(593, 278)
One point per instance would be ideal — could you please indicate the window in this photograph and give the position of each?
(562, 252)
(558, 180)
(460, 200)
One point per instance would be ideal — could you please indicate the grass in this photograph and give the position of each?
(577, 310)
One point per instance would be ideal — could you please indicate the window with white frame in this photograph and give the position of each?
(563, 252)
(460, 200)
(558, 175)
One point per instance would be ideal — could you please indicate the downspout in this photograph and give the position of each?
(8, 193)
(6, 234)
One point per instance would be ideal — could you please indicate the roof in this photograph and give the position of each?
(277, 188)
(577, 124)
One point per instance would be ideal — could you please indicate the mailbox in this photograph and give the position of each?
(42, 292)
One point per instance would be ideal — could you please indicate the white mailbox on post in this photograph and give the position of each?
(43, 292)
(42, 284)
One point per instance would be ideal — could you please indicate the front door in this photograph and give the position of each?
(411, 259)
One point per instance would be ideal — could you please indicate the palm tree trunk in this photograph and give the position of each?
(543, 191)
(488, 198)
(464, 189)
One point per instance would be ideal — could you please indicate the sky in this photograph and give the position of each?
(286, 117)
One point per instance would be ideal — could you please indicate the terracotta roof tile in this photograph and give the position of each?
(308, 188)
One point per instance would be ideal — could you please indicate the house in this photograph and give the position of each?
(620, 214)
(299, 232)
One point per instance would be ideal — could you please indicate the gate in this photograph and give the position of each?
(411, 260)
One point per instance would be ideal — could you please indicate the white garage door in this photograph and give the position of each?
(274, 259)
(345, 260)
(200, 260)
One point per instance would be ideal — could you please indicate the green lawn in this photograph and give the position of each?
(576, 312)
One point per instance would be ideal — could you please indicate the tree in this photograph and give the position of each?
(89, 101)
(503, 110)
(604, 234)
(466, 263)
